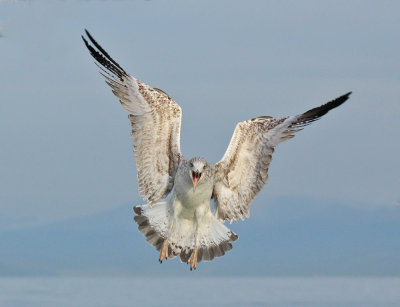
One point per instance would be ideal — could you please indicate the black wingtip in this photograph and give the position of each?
(104, 53)
(347, 95)
(316, 113)
(102, 57)
(337, 102)
(88, 34)
(85, 41)
(91, 37)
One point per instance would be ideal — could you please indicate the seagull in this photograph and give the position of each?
(185, 225)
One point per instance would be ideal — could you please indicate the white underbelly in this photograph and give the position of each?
(188, 203)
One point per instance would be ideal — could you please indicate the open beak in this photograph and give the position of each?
(195, 178)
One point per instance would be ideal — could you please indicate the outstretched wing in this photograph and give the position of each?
(155, 121)
(243, 171)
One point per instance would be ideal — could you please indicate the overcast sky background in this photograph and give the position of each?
(66, 149)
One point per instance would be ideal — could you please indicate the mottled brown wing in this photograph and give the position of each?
(243, 171)
(155, 121)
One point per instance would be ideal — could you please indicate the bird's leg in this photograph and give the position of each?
(164, 249)
(193, 257)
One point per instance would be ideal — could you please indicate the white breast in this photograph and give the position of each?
(187, 196)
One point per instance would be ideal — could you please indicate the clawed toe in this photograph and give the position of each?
(193, 260)
(163, 252)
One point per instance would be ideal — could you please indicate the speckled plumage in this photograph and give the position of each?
(185, 224)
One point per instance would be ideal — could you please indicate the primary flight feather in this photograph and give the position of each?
(185, 224)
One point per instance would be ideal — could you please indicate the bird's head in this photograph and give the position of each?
(197, 168)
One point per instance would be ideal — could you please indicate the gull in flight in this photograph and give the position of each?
(185, 225)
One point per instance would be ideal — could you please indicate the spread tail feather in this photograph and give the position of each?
(213, 240)
(213, 237)
(154, 222)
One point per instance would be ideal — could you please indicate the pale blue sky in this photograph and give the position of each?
(66, 149)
